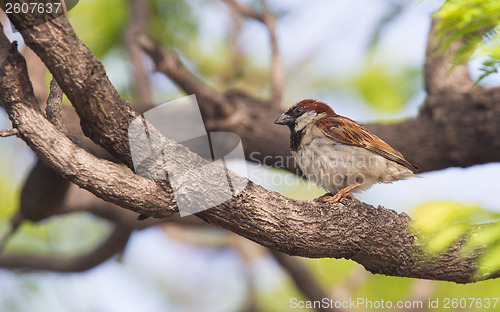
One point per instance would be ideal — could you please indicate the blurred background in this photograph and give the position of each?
(363, 57)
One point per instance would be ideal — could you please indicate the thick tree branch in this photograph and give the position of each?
(85, 82)
(82, 201)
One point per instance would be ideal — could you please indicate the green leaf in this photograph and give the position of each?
(386, 90)
(476, 23)
(100, 24)
(440, 224)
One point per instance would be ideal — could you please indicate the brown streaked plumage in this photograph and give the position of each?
(348, 131)
(339, 154)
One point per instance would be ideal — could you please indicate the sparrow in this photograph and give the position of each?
(338, 153)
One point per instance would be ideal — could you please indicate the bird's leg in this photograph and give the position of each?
(328, 198)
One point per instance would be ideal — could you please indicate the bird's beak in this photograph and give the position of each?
(284, 119)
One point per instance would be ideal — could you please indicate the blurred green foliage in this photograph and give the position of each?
(8, 193)
(385, 88)
(100, 24)
(476, 22)
(173, 23)
(486, 236)
(65, 235)
(440, 224)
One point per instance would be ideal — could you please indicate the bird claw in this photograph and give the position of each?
(322, 198)
(330, 198)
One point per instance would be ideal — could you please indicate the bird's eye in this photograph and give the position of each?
(299, 109)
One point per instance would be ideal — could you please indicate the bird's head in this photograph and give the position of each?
(304, 112)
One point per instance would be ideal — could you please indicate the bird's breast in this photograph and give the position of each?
(333, 165)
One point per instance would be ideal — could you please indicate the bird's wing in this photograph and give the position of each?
(350, 132)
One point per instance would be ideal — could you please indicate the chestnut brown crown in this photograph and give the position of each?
(297, 110)
(318, 106)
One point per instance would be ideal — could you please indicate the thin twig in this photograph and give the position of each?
(269, 20)
(236, 51)
(8, 132)
(212, 104)
(245, 10)
(139, 12)
(277, 71)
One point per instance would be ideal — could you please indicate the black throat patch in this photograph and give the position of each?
(295, 138)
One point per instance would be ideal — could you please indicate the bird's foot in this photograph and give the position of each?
(345, 192)
(323, 198)
(329, 198)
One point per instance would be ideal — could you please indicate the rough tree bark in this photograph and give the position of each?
(445, 134)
